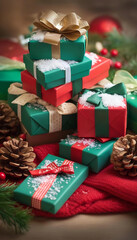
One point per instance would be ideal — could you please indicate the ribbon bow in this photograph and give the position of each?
(25, 97)
(10, 64)
(52, 168)
(56, 25)
(125, 77)
(116, 89)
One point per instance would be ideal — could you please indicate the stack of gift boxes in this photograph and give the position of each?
(98, 118)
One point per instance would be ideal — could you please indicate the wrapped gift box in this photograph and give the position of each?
(52, 78)
(87, 151)
(58, 95)
(37, 120)
(46, 138)
(67, 50)
(132, 111)
(35, 192)
(106, 118)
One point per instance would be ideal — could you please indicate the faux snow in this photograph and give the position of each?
(39, 36)
(36, 106)
(51, 64)
(94, 57)
(91, 143)
(57, 184)
(108, 100)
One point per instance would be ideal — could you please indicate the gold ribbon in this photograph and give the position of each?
(55, 118)
(125, 77)
(56, 25)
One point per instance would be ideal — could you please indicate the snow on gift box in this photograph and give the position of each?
(50, 191)
(58, 95)
(87, 151)
(103, 112)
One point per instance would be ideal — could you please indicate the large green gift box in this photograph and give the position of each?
(34, 191)
(6, 78)
(67, 50)
(62, 72)
(36, 119)
(87, 151)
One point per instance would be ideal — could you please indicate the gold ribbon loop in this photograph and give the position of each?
(55, 118)
(69, 25)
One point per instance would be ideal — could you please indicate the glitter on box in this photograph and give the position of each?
(37, 106)
(51, 64)
(56, 186)
(89, 142)
(94, 57)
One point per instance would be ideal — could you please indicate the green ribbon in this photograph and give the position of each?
(116, 89)
(125, 77)
(76, 87)
(9, 64)
(101, 112)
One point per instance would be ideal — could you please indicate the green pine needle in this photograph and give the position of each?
(11, 213)
(126, 46)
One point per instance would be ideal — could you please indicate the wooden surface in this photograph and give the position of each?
(87, 227)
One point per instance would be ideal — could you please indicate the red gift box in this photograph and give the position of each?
(58, 95)
(117, 122)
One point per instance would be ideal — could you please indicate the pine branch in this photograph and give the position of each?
(11, 213)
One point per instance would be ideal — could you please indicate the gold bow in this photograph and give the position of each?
(56, 25)
(25, 97)
(55, 118)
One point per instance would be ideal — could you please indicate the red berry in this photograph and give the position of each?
(2, 176)
(23, 136)
(118, 65)
(114, 52)
(104, 51)
(111, 63)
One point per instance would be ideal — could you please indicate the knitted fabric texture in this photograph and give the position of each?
(96, 195)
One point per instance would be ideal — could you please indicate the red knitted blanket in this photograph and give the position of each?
(105, 192)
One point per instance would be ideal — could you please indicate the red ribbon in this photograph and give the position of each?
(53, 169)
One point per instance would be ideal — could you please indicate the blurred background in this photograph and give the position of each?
(17, 15)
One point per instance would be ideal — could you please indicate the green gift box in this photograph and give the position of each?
(61, 188)
(90, 152)
(132, 110)
(37, 119)
(6, 78)
(56, 77)
(66, 49)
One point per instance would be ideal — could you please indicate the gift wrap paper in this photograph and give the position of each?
(96, 156)
(69, 50)
(62, 188)
(35, 118)
(99, 121)
(60, 94)
(56, 77)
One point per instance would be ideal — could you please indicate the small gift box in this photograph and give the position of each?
(66, 49)
(53, 73)
(59, 36)
(103, 112)
(87, 151)
(51, 184)
(58, 95)
(41, 117)
(131, 86)
(132, 111)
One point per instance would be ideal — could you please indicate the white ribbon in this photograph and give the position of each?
(50, 64)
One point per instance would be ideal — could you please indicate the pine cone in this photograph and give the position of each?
(9, 122)
(16, 158)
(124, 155)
